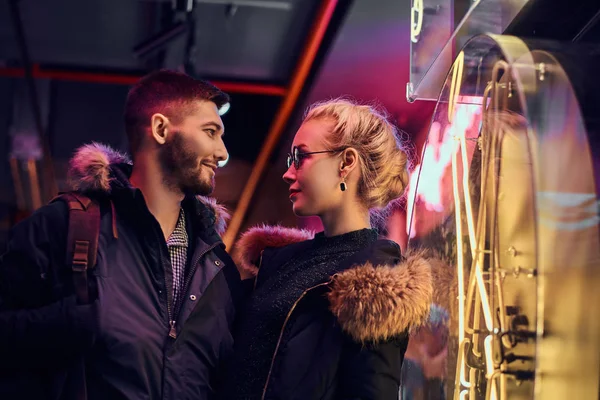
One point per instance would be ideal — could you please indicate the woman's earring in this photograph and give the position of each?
(343, 185)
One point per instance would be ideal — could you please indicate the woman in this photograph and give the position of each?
(329, 315)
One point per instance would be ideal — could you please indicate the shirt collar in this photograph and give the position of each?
(179, 237)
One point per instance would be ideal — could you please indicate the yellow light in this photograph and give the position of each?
(460, 379)
(485, 304)
(416, 20)
(489, 361)
(487, 314)
(455, 84)
(466, 191)
(493, 392)
(459, 250)
(463, 379)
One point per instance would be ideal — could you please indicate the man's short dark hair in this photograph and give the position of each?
(168, 92)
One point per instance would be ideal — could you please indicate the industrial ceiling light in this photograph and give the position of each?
(224, 108)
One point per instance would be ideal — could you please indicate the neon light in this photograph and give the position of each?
(455, 84)
(466, 190)
(463, 379)
(459, 251)
(489, 362)
(435, 161)
(487, 314)
(416, 18)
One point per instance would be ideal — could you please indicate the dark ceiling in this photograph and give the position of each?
(248, 48)
(240, 40)
(83, 55)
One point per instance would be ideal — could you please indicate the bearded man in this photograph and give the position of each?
(162, 290)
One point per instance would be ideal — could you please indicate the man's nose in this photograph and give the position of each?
(221, 153)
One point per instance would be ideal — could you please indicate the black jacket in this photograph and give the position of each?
(350, 332)
(122, 337)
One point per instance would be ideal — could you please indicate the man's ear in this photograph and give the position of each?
(159, 125)
(349, 161)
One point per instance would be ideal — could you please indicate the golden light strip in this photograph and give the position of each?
(459, 252)
(470, 308)
(503, 387)
(467, 194)
(473, 378)
(459, 379)
(476, 327)
(460, 272)
(491, 392)
(489, 362)
(475, 251)
(493, 389)
(416, 20)
(493, 140)
(455, 84)
(463, 379)
(487, 314)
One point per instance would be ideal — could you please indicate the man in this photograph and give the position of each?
(163, 291)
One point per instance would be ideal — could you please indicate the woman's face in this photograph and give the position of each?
(315, 184)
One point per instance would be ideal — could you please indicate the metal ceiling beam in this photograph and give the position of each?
(275, 5)
(269, 4)
(161, 40)
(121, 79)
(286, 109)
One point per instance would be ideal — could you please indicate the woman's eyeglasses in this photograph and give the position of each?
(296, 155)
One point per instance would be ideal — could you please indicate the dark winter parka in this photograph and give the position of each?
(121, 346)
(344, 337)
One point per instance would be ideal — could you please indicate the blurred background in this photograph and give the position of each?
(273, 57)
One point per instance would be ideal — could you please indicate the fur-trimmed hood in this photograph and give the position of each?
(371, 302)
(92, 169)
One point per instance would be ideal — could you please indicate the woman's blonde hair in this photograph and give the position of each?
(383, 160)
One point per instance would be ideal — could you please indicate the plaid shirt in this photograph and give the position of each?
(178, 248)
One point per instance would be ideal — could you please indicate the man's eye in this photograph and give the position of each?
(211, 132)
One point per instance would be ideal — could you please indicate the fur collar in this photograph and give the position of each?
(90, 171)
(371, 302)
(252, 243)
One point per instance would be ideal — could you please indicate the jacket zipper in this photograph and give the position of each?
(259, 265)
(287, 318)
(172, 332)
(186, 284)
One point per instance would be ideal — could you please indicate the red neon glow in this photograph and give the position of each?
(117, 79)
(430, 200)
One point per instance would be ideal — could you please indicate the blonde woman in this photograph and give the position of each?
(330, 313)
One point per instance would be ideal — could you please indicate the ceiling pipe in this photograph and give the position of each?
(123, 79)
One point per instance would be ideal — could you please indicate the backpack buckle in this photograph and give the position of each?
(80, 255)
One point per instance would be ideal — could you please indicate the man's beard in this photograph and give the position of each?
(181, 167)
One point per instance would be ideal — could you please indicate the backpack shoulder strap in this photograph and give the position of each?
(82, 239)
